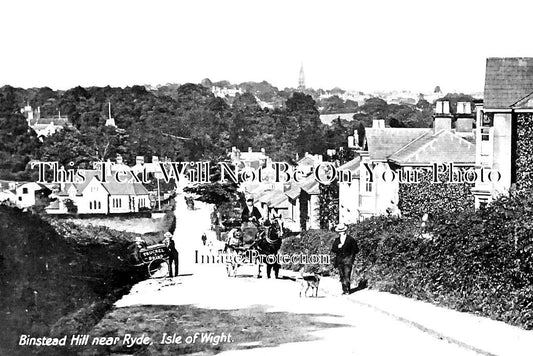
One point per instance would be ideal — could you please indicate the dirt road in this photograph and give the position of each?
(263, 316)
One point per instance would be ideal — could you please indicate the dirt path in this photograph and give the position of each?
(264, 316)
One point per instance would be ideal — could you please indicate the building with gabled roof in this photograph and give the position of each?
(22, 194)
(390, 149)
(503, 122)
(96, 196)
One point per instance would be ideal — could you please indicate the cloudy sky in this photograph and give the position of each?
(363, 45)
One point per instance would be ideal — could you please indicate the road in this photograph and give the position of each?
(339, 323)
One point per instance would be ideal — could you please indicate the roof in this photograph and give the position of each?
(308, 160)
(443, 146)
(352, 166)
(273, 198)
(507, 81)
(278, 200)
(310, 185)
(111, 185)
(294, 192)
(48, 120)
(383, 142)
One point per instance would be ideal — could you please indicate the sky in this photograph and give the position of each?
(369, 45)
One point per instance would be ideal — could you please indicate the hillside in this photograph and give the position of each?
(57, 280)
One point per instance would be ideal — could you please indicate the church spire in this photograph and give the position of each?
(110, 121)
(301, 79)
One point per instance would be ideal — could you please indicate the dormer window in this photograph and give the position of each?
(442, 107)
(464, 107)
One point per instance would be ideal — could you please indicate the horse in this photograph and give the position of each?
(255, 242)
(268, 244)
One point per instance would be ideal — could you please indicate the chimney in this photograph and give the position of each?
(378, 124)
(155, 159)
(263, 151)
(351, 142)
(119, 159)
(139, 160)
(250, 150)
(442, 120)
(464, 124)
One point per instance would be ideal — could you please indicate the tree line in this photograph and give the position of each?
(184, 123)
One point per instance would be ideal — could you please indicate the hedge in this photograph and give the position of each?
(479, 262)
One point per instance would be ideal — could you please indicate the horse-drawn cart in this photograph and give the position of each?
(249, 240)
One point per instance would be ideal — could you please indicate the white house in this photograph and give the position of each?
(390, 149)
(349, 193)
(97, 197)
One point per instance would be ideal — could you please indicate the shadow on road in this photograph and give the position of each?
(251, 327)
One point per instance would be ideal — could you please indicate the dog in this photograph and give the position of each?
(309, 281)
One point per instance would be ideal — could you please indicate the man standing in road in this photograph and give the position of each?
(344, 247)
(173, 256)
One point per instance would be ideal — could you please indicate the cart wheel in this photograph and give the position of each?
(158, 268)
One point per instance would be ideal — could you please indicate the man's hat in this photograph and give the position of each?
(139, 239)
(341, 228)
(168, 235)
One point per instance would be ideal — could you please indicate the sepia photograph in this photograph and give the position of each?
(248, 178)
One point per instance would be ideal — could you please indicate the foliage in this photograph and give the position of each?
(474, 261)
(58, 278)
(425, 197)
(18, 144)
(215, 193)
(305, 200)
(317, 242)
(402, 115)
(335, 105)
(524, 152)
(479, 262)
(328, 205)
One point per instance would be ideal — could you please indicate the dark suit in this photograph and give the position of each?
(343, 261)
(173, 258)
(247, 214)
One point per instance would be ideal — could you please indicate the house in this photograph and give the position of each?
(94, 196)
(309, 203)
(503, 137)
(391, 150)
(349, 193)
(43, 126)
(21, 194)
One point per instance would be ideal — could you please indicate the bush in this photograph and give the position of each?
(480, 262)
(310, 242)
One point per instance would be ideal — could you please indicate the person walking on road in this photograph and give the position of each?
(173, 256)
(344, 247)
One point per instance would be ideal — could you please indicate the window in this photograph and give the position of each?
(485, 134)
(24, 190)
(90, 205)
(488, 119)
(99, 205)
(368, 187)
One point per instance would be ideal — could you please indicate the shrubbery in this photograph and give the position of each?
(310, 242)
(479, 262)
